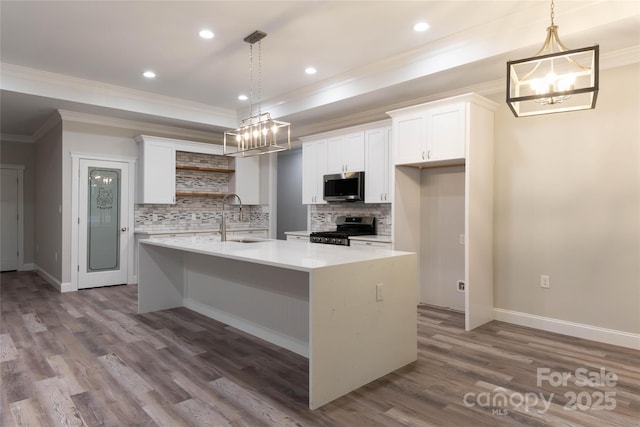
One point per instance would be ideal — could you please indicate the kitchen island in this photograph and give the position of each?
(350, 311)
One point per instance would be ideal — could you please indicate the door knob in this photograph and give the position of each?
(123, 229)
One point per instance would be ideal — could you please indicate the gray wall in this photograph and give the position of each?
(21, 153)
(567, 204)
(292, 214)
(48, 219)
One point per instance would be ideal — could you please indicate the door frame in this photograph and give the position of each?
(20, 172)
(75, 198)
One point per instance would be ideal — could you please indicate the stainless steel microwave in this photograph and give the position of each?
(344, 187)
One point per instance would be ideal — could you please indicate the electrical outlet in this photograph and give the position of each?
(193, 216)
(461, 239)
(379, 292)
(461, 285)
(545, 281)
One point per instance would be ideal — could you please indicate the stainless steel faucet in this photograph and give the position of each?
(223, 224)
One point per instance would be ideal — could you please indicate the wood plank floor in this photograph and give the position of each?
(87, 358)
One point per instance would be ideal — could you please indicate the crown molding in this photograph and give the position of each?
(140, 127)
(22, 139)
(59, 86)
(49, 124)
(495, 39)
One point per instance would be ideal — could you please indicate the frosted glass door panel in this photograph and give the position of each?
(103, 225)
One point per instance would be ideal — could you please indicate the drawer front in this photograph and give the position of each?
(370, 244)
(303, 238)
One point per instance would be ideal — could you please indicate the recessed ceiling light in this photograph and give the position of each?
(421, 26)
(310, 70)
(149, 74)
(206, 34)
(243, 97)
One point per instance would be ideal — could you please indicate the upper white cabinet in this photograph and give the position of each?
(314, 167)
(377, 170)
(430, 133)
(156, 171)
(345, 153)
(246, 179)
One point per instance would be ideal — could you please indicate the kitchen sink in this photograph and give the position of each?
(248, 240)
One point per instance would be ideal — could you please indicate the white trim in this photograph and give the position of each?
(298, 347)
(49, 124)
(20, 172)
(27, 267)
(23, 139)
(75, 182)
(59, 86)
(141, 127)
(578, 330)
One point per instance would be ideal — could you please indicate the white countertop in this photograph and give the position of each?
(293, 255)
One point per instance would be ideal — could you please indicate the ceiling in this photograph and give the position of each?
(88, 56)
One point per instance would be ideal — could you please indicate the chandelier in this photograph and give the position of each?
(555, 79)
(258, 133)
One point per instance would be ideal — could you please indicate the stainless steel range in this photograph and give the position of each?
(345, 226)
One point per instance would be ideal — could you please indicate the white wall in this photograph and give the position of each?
(442, 211)
(567, 204)
(94, 139)
(21, 153)
(47, 220)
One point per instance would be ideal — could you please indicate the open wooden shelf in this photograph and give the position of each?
(204, 169)
(188, 194)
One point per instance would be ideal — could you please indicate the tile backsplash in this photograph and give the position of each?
(197, 213)
(191, 212)
(323, 217)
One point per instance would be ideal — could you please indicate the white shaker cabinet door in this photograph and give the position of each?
(157, 173)
(377, 173)
(314, 167)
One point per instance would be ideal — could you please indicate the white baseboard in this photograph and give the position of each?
(27, 267)
(248, 327)
(48, 277)
(60, 286)
(579, 330)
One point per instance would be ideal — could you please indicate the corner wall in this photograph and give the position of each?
(47, 218)
(23, 153)
(567, 204)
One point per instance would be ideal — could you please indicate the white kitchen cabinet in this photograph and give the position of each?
(298, 238)
(370, 244)
(431, 134)
(409, 132)
(314, 167)
(378, 166)
(446, 134)
(156, 171)
(345, 153)
(245, 182)
(460, 133)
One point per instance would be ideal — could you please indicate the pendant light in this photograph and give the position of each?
(555, 79)
(258, 133)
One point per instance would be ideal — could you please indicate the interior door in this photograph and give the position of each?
(9, 220)
(103, 222)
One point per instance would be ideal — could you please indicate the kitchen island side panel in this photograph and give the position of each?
(160, 278)
(355, 338)
(268, 302)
